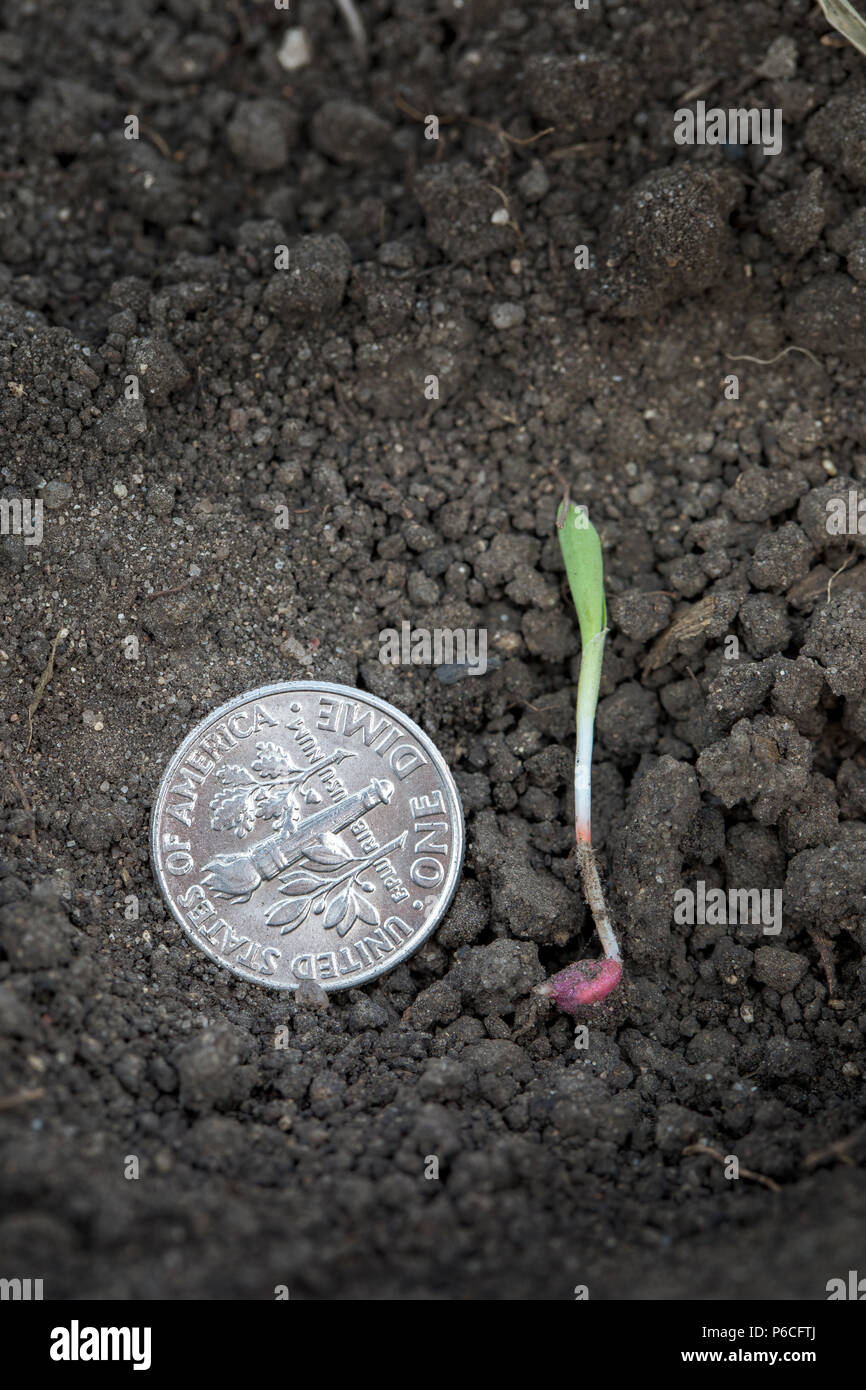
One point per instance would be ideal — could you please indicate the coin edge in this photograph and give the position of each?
(286, 687)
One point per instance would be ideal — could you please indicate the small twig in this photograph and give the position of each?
(699, 89)
(768, 361)
(838, 1150)
(39, 689)
(21, 1098)
(431, 270)
(705, 1151)
(24, 802)
(355, 25)
(586, 147)
(495, 408)
(156, 139)
(695, 679)
(825, 954)
(176, 589)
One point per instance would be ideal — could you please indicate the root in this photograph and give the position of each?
(839, 571)
(705, 1151)
(768, 361)
(837, 1152)
(594, 894)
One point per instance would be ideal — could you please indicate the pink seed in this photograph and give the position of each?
(584, 982)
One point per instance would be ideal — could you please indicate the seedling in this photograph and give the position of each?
(845, 18)
(586, 981)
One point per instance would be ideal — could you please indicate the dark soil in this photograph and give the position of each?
(739, 764)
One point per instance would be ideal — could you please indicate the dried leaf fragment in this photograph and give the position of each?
(687, 625)
(39, 688)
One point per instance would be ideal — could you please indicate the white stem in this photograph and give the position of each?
(588, 683)
(583, 777)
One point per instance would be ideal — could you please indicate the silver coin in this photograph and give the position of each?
(307, 831)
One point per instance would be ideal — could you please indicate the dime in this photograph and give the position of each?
(307, 831)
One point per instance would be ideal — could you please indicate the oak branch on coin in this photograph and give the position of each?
(586, 981)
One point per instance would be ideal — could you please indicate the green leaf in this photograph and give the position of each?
(845, 18)
(581, 551)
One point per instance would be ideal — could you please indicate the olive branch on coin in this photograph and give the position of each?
(340, 899)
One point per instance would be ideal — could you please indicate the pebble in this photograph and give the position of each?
(34, 940)
(779, 968)
(348, 133)
(295, 51)
(160, 498)
(121, 426)
(55, 494)
(16, 1019)
(207, 1069)
(641, 493)
(534, 184)
(507, 315)
(780, 64)
(158, 366)
(315, 281)
(258, 135)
